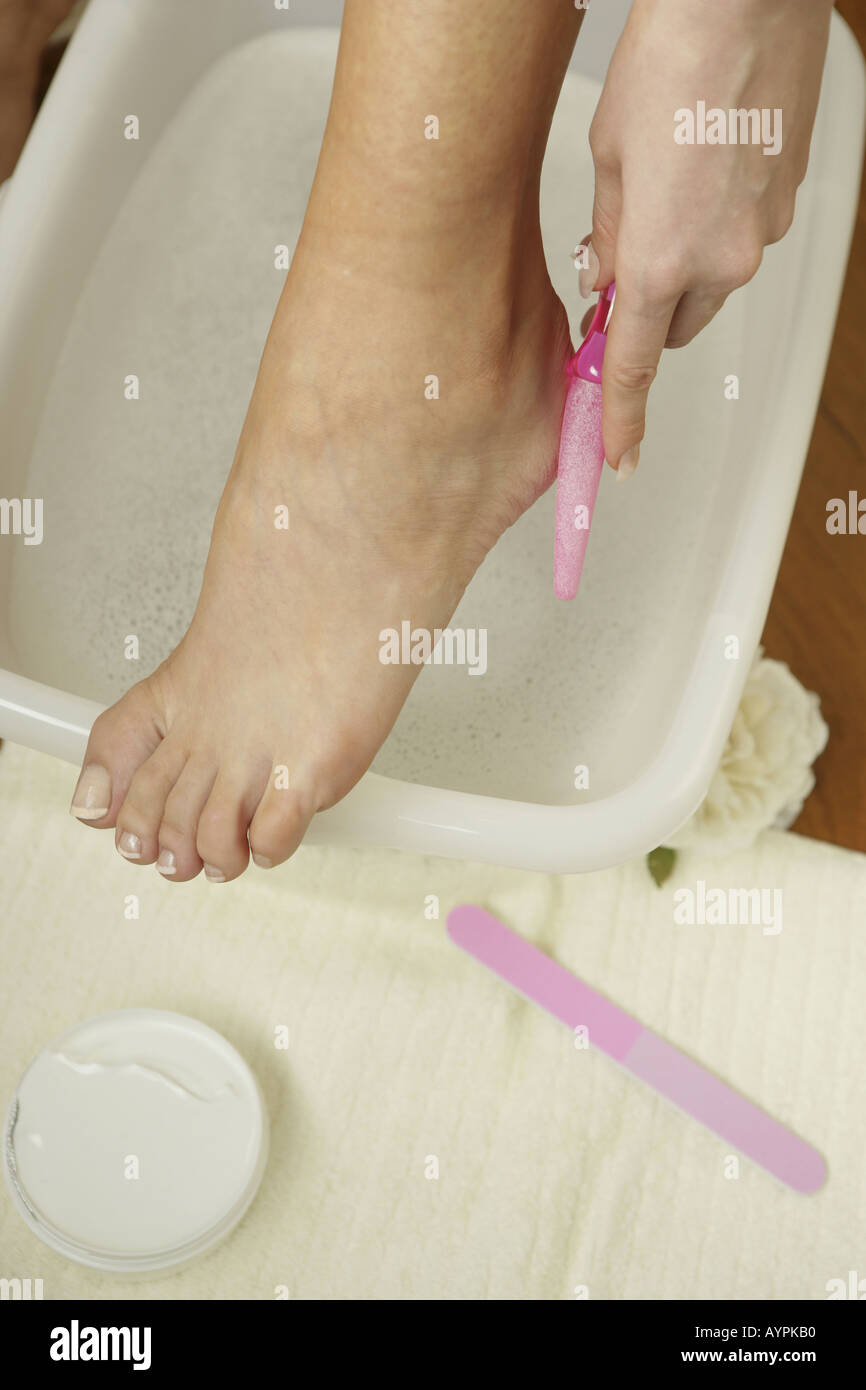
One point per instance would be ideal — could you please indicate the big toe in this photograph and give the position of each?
(121, 739)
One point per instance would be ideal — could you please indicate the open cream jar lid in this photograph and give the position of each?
(135, 1141)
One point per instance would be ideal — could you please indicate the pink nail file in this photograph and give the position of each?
(662, 1067)
(581, 453)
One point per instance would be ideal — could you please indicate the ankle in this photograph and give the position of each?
(425, 295)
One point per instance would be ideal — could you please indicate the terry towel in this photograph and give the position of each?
(434, 1136)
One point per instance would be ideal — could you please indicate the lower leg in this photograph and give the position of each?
(439, 120)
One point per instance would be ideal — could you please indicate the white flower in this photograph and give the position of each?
(766, 770)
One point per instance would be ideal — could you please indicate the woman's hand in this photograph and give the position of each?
(680, 225)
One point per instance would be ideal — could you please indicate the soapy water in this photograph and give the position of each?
(181, 294)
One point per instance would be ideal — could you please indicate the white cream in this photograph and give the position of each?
(137, 1138)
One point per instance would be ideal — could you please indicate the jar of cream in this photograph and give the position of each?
(135, 1141)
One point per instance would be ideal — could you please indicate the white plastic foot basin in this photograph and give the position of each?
(155, 258)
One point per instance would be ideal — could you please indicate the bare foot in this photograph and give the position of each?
(276, 701)
(416, 261)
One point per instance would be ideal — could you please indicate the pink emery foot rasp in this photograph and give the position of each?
(581, 452)
(660, 1066)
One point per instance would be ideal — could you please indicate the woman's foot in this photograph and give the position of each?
(276, 702)
(407, 410)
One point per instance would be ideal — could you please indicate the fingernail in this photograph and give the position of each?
(129, 845)
(628, 463)
(588, 276)
(214, 875)
(92, 796)
(166, 863)
(263, 861)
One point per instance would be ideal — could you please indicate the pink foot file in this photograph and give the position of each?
(581, 453)
(660, 1066)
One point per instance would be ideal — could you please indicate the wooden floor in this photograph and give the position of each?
(817, 618)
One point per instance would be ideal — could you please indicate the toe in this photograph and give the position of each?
(179, 859)
(139, 818)
(221, 840)
(280, 824)
(120, 741)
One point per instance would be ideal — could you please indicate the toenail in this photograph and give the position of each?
(214, 875)
(129, 845)
(263, 861)
(166, 863)
(92, 796)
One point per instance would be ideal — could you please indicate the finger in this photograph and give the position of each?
(694, 311)
(606, 210)
(595, 254)
(735, 265)
(637, 333)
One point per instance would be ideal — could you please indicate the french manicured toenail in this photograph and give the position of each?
(166, 863)
(92, 796)
(263, 861)
(129, 845)
(214, 875)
